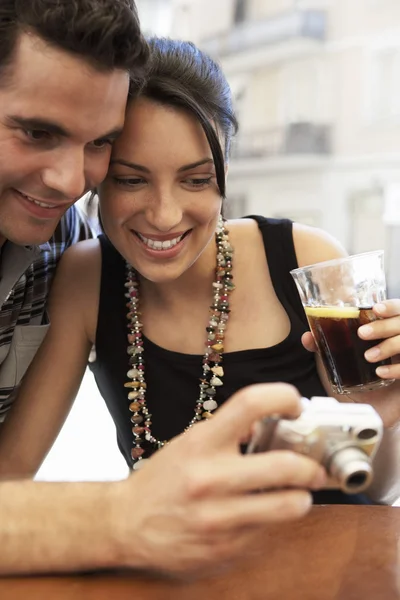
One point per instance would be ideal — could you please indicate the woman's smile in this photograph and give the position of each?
(162, 246)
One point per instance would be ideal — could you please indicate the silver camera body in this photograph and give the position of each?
(343, 437)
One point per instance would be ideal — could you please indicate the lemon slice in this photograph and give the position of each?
(332, 312)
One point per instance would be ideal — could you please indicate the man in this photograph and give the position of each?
(63, 89)
(64, 76)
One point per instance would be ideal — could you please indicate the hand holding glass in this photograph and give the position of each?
(338, 297)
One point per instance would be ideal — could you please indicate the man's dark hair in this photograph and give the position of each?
(106, 33)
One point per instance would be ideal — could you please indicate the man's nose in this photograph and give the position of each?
(66, 174)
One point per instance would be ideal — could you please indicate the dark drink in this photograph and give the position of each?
(341, 349)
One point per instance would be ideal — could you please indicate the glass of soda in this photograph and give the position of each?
(338, 296)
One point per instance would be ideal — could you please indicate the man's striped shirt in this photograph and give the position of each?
(26, 273)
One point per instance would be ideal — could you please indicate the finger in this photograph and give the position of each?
(265, 470)
(382, 328)
(388, 371)
(387, 349)
(234, 419)
(252, 510)
(387, 308)
(307, 339)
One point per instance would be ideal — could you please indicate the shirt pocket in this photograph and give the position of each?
(24, 345)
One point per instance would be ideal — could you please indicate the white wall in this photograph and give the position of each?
(86, 449)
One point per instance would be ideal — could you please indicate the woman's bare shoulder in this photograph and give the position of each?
(244, 230)
(315, 245)
(247, 241)
(81, 252)
(81, 260)
(79, 269)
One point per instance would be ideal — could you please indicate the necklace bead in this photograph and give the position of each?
(212, 371)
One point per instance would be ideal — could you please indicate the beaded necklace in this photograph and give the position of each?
(212, 371)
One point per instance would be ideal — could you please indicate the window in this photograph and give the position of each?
(302, 84)
(155, 16)
(235, 206)
(240, 11)
(384, 84)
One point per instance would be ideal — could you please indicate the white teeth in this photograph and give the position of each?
(41, 204)
(158, 245)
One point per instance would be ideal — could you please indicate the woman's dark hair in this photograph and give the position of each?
(104, 32)
(182, 76)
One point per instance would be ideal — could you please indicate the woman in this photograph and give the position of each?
(182, 308)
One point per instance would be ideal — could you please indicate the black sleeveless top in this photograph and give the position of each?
(173, 378)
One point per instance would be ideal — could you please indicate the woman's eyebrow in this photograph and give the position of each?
(199, 163)
(130, 165)
(137, 167)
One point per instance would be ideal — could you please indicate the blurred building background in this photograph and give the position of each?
(317, 92)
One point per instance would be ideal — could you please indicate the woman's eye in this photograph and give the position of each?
(131, 181)
(199, 182)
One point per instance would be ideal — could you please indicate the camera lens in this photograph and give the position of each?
(367, 434)
(352, 469)
(356, 480)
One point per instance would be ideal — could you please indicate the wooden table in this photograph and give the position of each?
(337, 552)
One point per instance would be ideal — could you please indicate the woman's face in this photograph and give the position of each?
(160, 201)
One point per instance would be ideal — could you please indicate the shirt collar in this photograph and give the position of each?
(45, 247)
(39, 248)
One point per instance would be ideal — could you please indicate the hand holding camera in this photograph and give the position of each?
(343, 437)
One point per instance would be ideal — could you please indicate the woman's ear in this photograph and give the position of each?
(226, 170)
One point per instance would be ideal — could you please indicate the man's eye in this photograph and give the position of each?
(37, 135)
(102, 143)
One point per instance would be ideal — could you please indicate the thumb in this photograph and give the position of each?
(307, 339)
(234, 420)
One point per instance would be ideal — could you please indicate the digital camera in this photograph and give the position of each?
(343, 437)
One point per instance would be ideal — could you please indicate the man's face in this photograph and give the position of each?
(58, 119)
